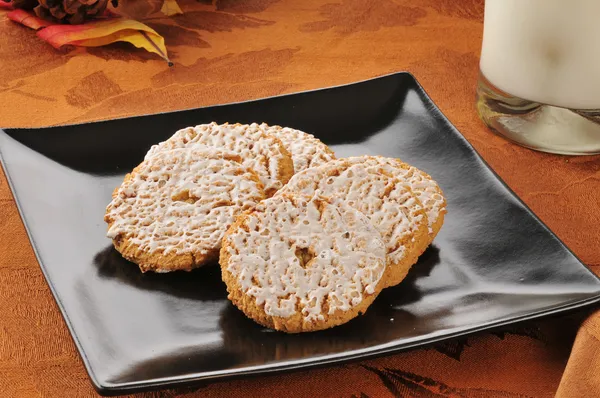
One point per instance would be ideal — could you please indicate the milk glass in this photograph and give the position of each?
(539, 81)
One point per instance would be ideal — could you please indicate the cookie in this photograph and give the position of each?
(299, 264)
(172, 210)
(388, 203)
(306, 150)
(260, 151)
(423, 186)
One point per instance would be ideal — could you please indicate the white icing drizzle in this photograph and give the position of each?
(389, 205)
(422, 185)
(306, 150)
(346, 256)
(182, 200)
(259, 151)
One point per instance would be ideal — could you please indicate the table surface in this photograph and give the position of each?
(232, 50)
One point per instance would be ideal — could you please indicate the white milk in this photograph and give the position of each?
(545, 51)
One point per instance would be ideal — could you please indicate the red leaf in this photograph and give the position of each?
(103, 32)
(28, 19)
(109, 29)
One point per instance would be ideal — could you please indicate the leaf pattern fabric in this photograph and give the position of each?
(235, 50)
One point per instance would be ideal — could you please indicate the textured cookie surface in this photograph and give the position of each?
(306, 150)
(388, 203)
(300, 264)
(172, 210)
(260, 151)
(423, 186)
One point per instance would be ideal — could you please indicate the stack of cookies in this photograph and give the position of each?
(305, 241)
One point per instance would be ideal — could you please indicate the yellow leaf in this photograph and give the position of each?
(170, 7)
(100, 33)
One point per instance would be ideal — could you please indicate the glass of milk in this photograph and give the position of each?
(539, 81)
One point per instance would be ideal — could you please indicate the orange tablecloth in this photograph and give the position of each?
(231, 50)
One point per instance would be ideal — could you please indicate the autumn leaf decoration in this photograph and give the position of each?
(102, 30)
(170, 7)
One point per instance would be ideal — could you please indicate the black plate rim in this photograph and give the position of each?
(337, 359)
(226, 103)
(112, 389)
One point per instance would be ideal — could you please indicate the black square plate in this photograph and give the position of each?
(493, 263)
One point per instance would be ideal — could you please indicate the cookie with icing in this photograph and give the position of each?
(300, 264)
(388, 203)
(260, 151)
(306, 150)
(423, 186)
(172, 210)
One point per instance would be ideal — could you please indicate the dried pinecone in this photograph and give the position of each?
(65, 11)
(70, 11)
(25, 4)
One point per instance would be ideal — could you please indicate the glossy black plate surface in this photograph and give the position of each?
(493, 262)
